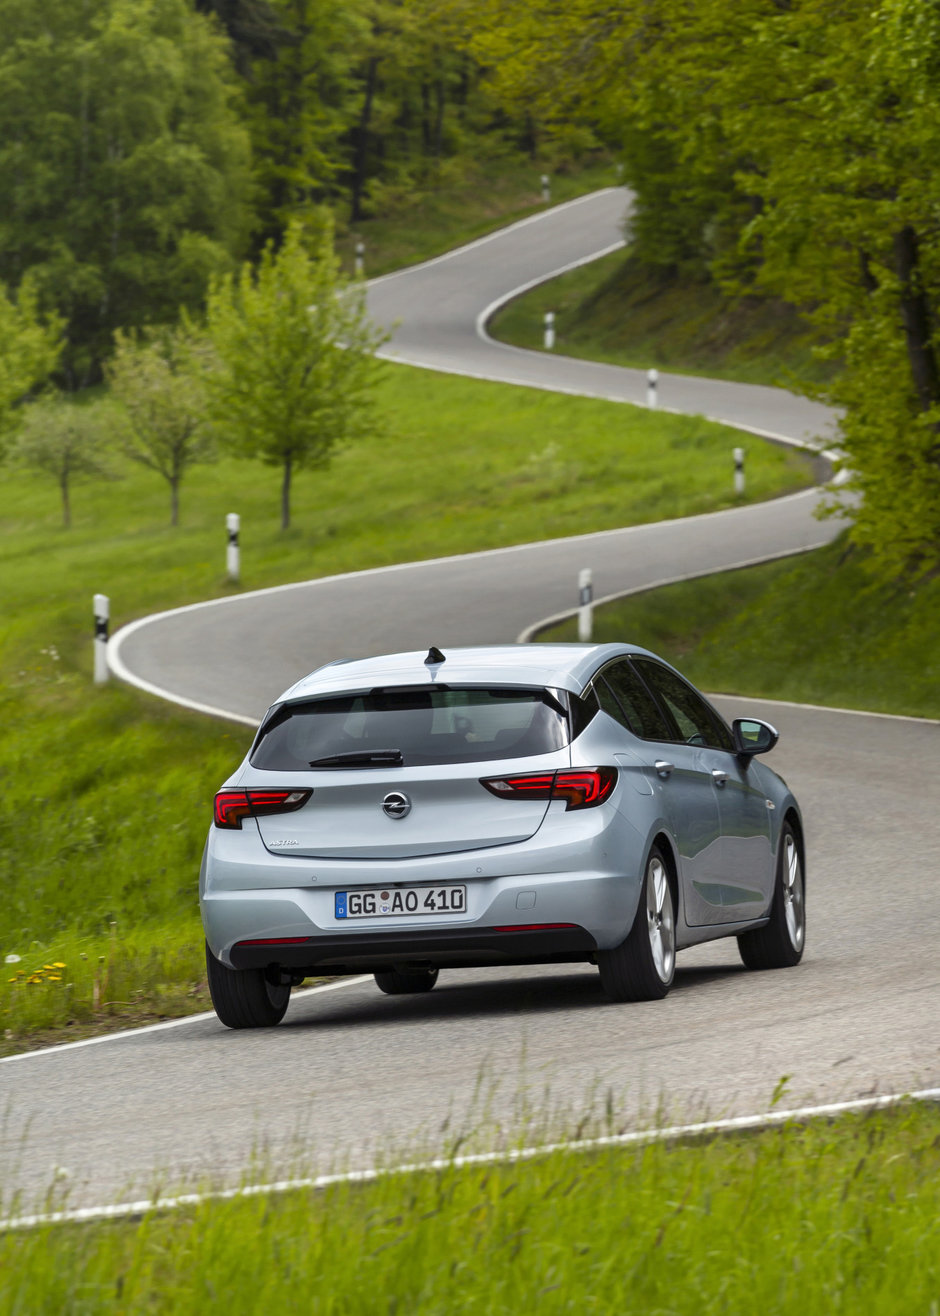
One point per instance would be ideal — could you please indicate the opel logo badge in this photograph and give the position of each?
(397, 805)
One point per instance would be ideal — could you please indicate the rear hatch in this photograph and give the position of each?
(395, 772)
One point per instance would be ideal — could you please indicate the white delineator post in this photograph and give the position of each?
(652, 379)
(360, 257)
(546, 188)
(232, 556)
(739, 470)
(585, 604)
(549, 330)
(102, 606)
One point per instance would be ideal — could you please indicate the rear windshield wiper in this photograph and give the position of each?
(361, 758)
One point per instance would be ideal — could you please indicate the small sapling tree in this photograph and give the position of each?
(295, 357)
(65, 440)
(162, 424)
(29, 352)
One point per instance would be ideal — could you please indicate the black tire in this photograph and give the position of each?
(403, 982)
(243, 998)
(779, 944)
(642, 967)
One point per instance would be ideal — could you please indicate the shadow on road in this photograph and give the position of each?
(486, 998)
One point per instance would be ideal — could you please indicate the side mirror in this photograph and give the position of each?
(751, 736)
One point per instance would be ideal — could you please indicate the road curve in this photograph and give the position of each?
(352, 1074)
(254, 645)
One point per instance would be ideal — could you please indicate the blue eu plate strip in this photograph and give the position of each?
(339, 905)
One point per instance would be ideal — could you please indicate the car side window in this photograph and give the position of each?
(640, 711)
(697, 723)
(608, 702)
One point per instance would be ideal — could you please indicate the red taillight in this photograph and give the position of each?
(232, 806)
(581, 788)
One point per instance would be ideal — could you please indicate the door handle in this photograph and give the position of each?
(663, 768)
(719, 777)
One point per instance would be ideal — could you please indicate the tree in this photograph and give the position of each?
(296, 364)
(163, 423)
(29, 352)
(65, 440)
(300, 108)
(124, 168)
(844, 112)
(788, 148)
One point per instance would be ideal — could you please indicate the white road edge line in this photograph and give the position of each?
(123, 673)
(101, 1038)
(734, 1124)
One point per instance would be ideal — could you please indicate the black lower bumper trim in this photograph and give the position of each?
(450, 948)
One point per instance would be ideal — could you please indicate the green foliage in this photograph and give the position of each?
(846, 124)
(301, 108)
(802, 161)
(295, 348)
(30, 345)
(836, 1216)
(163, 423)
(65, 442)
(123, 166)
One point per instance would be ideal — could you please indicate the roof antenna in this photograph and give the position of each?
(434, 656)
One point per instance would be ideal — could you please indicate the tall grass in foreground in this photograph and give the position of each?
(841, 1217)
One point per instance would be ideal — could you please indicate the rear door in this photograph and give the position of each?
(740, 866)
(683, 782)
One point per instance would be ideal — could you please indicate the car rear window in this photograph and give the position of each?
(427, 726)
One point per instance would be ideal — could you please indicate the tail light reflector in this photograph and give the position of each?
(232, 806)
(580, 788)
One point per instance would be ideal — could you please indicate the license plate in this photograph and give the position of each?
(401, 902)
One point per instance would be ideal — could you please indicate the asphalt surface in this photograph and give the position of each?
(351, 1075)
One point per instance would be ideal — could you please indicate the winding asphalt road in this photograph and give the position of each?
(352, 1075)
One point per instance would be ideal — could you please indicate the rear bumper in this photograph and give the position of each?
(438, 947)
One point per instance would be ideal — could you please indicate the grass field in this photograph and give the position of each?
(612, 310)
(815, 629)
(106, 793)
(839, 1217)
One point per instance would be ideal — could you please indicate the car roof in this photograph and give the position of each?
(557, 666)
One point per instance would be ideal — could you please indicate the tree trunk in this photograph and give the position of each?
(174, 500)
(439, 118)
(361, 142)
(426, 130)
(915, 312)
(285, 493)
(66, 507)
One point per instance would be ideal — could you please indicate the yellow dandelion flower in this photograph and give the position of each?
(54, 977)
(58, 965)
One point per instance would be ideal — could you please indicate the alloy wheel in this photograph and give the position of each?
(660, 919)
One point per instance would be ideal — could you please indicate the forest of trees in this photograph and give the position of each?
(787, 147)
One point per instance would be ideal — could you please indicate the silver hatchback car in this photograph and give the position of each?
(517, 804)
